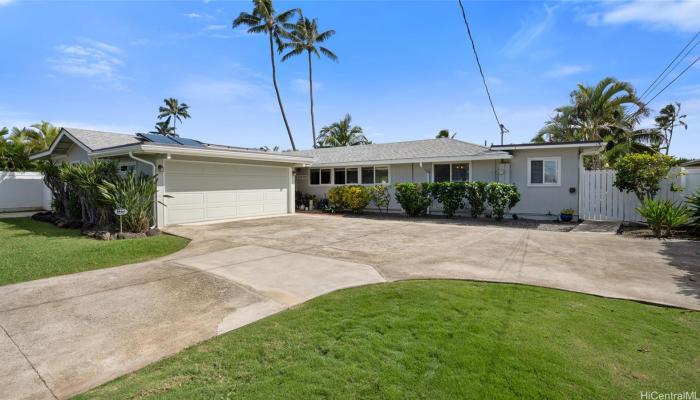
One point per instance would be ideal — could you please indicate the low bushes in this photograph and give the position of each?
(135, 193)
(476, 196)
(694, 208)
(450, 195)
(355, 197)
(663, 216)
(501, 197)
(414, 198)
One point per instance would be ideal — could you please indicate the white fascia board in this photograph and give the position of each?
(415, 160)
(55, 143)
(549, 146)
(238, 155)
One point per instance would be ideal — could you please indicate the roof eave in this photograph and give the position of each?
(418, 160)
(209, 153)
(548, 146)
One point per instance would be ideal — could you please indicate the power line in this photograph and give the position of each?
(659, 78)
(674, 79)
(501, 127)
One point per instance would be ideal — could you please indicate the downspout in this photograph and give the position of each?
(155, 196)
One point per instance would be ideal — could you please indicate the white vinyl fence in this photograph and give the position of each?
(600, 200)
(21, 191)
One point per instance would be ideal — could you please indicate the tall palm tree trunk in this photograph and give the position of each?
(311, 96)
(277, 91)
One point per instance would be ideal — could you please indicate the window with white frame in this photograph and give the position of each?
(451, 172)
(351, 176)
(125, 167)
(544, 171)
(320, 176)
(345, 176)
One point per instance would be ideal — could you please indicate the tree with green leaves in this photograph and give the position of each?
(342, 133)
(641, 174)
(669, 117)
(305, 37)
(445, 133)
(173, 109)
(264, 19)
(163, 128)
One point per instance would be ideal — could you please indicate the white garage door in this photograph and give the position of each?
(198, 192)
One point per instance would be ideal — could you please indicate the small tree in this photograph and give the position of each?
(642, 173)
(379, 194)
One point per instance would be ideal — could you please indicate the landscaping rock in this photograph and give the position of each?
(153, 232)
(130, 235)
(102, 235)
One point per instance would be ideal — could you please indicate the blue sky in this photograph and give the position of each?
(405, 69)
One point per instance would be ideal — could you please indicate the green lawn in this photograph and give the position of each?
(32, 250)
(437, 339)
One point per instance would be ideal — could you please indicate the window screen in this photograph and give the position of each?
(536, 168)
(368, 175)
(325, 177)
(339, 176)
(314, 173)
(442, 173)
(460, 172)
(381, 175)
(351, 176)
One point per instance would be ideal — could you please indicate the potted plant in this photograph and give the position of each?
(566, 215)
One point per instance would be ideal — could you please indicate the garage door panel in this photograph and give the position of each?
(203, 192)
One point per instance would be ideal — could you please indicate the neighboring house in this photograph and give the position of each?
(691, 164)
(547, 175)
(197, 182)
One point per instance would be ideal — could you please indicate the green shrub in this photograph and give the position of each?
(413, 198)
(663, 216)
(640, 173)
(450, 195)
(82, 181)
(379, 194)
(302, 199)
(476, 196)
(694, 207)
(135, 193)
(337, 198)
(501, 196)
(355, 197)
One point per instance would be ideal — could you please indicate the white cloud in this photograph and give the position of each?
(92, 59)
(193, 15)
(565, 70)
(5, 2)
(302, 86)
(530, 31)
(214, 27)
(683, 15)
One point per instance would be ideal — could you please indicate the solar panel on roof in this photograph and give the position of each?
(188, 142)
(157, 138)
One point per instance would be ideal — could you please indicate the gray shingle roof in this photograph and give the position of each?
(96, 140)
(384, 152)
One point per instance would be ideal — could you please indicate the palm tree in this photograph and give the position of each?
(263, 19)
(342, 133)
(173, 109)
(40, 136)
(669, 117)
(163, 128)
(304, 36)
(595, 112)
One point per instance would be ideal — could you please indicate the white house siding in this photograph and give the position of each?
(480, 170)
(77, 154)
(537, 200)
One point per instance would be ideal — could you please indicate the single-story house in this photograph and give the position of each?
(546, 175)
(197, 182)
(200, 182)
(691, 164)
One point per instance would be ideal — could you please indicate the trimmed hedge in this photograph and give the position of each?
(501, 196)
(450, 195)
(355, 198)
(476, 196)
(414, 198)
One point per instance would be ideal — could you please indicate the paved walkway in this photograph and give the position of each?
(609, 227)
(63, 335)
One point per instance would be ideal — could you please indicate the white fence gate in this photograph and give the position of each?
(21, 191)
(600, 200)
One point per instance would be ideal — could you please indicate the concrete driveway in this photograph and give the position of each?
(67, 334)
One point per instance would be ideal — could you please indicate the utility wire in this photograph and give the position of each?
(501, 127)
(674, 79)
(664, 73)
